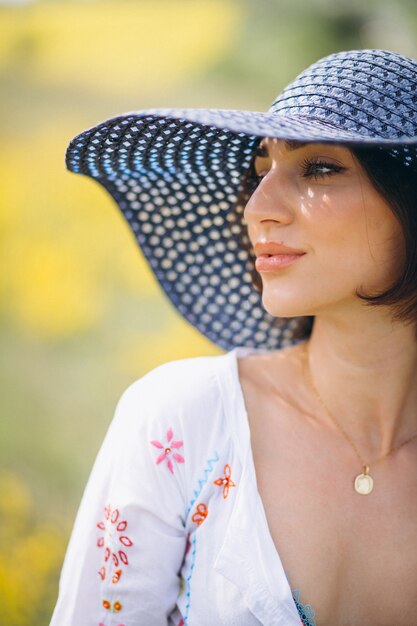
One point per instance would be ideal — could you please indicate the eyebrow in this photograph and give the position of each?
(290, 145)
(294, 145)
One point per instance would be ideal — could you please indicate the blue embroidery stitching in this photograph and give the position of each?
(306, 612)
(201, 482)
(193, 548)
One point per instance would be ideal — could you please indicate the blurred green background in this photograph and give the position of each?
(80, 315)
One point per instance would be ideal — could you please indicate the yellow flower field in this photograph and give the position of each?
(81, 315)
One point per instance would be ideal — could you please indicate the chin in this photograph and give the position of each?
(278, 308)
(285, 305)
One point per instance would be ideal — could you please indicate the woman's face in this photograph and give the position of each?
(317, 199)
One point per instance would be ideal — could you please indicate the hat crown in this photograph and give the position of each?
(370, 92)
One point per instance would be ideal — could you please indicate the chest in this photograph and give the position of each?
(353, 558)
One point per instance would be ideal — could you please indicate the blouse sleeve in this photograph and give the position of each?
(128, 541)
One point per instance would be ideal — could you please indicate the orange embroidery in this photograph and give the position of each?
(115, 608)
(200, 514)
(226, 481)
(116, 576)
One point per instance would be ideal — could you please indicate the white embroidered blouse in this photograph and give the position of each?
(171, 529)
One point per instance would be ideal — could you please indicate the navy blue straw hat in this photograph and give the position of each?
(180, 177)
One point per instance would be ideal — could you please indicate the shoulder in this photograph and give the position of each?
(179, 406)
(177, 383)
(184, 394)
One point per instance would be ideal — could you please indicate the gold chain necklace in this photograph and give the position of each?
(363, 483)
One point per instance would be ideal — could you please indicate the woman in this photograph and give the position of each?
(275, 484)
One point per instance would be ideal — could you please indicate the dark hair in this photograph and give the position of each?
(393, 173)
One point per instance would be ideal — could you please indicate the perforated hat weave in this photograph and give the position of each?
(177, 176)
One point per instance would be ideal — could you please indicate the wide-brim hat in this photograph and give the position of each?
(181, 177)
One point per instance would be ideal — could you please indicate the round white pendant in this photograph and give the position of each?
(364, 484)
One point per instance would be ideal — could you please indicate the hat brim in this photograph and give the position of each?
(177, 175)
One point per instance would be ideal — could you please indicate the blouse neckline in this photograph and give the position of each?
(240, 414)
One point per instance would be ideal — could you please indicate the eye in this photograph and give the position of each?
(318, 168)
(260, 164)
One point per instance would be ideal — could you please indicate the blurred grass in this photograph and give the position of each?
(81, 316)
(30, 556)
(142, 45)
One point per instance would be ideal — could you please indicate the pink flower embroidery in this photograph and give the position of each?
(113, 535)
(168, 450)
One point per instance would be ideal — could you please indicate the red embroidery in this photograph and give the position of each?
(112, 529)
(226, 481)
(126, 541)
(200, 514)
(123, 557)
(168, 453)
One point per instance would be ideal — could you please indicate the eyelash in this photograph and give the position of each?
(308, 164)
(307, 167)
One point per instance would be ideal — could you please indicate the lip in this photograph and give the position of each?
(273, 256)
(271, 248)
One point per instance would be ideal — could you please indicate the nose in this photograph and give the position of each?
(270, 202)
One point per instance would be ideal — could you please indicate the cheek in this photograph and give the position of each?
(384, 247)
(357, 219)
(334, 225)
(363, 253)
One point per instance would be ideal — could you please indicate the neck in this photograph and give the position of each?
(366, 374)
